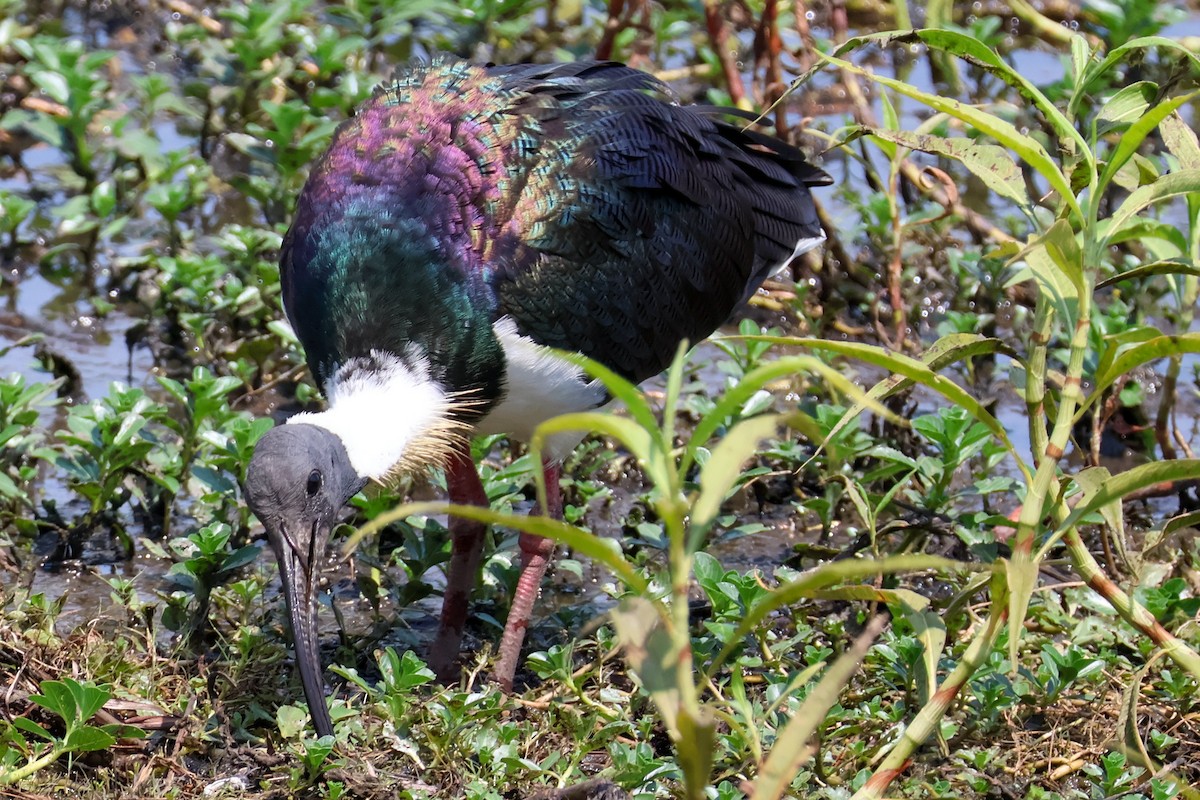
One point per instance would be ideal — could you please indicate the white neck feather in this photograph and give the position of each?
(381, 408)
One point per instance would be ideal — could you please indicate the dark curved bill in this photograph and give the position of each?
(300, 591)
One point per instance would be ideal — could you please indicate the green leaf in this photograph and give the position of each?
(1064, 250)
(643, 442)
(1139, 229)
(598, 548)
(29, 726)
(1081, 56)
(130, 425)
(947, 350)
(823, 577)
(88, 697)
(86, 739)
(919, 373)
(1171, 266)
(1190, 519)
(902, 598)
(1184, 181)
(1180, 140)
(792, 750)
(930, 631)
(1131, 480)
(1057, 287)
(990, 163)
(1132, 139)
(243, 556)
(54, 85)
(1020, 576)
(1154, 349)
(651, 654)
(1026, 147)
(1126, 106)
(1119, 55)
(733, 399)
(696, 746)
(56, 697)
(1090, 480)
(291, 720)
(619, 388)
(975, 52)
(723, 468)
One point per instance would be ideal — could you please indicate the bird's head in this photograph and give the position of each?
(296, 483)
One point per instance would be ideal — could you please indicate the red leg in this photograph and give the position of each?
(466, 547)
(535, 557)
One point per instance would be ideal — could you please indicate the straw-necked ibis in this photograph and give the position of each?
(465, 222)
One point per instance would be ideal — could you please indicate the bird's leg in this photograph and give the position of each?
(466, 547)
(535, 557)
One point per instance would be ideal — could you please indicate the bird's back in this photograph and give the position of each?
(643, 222)
(576, 199)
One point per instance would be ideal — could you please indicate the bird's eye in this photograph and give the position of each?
(314, 482)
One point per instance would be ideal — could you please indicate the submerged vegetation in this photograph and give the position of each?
(920, 523)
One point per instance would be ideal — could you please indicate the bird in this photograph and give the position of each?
(465, 228)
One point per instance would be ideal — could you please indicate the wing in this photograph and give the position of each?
(636, 222)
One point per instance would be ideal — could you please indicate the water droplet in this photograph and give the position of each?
(810, 15)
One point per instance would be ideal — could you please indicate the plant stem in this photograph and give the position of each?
(926, 722)
(1129, 610)
(52, 755)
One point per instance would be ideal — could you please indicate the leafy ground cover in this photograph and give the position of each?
(920, 524)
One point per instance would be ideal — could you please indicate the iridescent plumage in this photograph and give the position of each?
(464, 221)
(573, 198)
